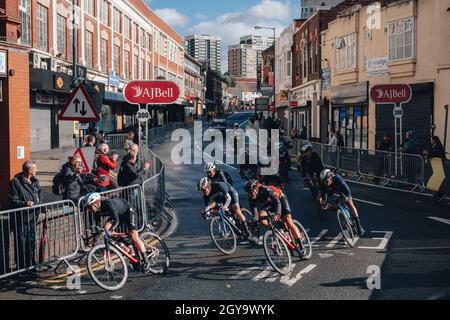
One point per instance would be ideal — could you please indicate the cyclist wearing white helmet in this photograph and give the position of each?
(217, 175)
(312, 166)
(116, 211)
(332, 183)
(221, 192)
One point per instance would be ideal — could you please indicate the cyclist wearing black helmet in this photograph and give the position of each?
(264, 199)
(331, 183)
(221, 192)
(117, 211)
(217, 175)
(311, 168)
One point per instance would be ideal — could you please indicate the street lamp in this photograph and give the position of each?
(274, 58)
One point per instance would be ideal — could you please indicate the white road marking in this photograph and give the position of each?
(314, 240)
(369, 202)
(217, 161)
(116, 297)
(244, 272)
(446, 221)
(81, 292)
(383, 243)
(287, 280)
(325, 255)
(273, 278)
(334, 241)
(55, 287)
(263, 274)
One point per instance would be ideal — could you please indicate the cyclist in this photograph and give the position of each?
(220, 192)
(117, 211)
(332, 183)
(312, 166)
(264, 199)
(217, 175)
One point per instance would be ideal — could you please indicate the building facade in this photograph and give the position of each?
(395, 48)
(205, 48)
(193, 85)
(309, 7)
(117, 41)
(242, 61)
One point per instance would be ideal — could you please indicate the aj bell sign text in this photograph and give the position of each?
(151, 92)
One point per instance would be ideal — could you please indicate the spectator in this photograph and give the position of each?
(98, 138)
(304, 134)
(25, 192)
(130, 172)
(90, 141)
(411, 146)
(129, 141)
(436, 150)
(386, 144)
(333, 139)
(340, 139)
(295, 134)
(104, 167)
(384, 158)
(74, 184)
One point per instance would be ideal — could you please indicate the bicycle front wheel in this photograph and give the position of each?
(277, 252)
(107, 268)
(306, 242)
(157, 253)
(346, 228)
(223, 235)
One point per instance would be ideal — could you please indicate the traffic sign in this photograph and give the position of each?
(151, 92)
(143, 115)
(398, 112)
(79, 107)
(87, 155)
(391, 93)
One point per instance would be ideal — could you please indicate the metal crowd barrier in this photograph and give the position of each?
(37, 236)
(116, 141)
(379, 167)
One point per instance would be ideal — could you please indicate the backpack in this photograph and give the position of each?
(58, 186)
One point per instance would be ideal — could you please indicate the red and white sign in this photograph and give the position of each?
(87, 155)
(294, 104)
(391, 93)
(86, 168)
(151, 92)
(79, 107)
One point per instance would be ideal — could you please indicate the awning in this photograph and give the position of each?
(114, 97)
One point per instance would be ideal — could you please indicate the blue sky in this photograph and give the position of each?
(229, 19)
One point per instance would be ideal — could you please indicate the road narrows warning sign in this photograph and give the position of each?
(79, 107)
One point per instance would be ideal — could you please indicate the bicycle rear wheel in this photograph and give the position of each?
(277, 253)
(346, 228)
(157, 253)
(107, 268)
(223, 235)
(253, 226)
(306, 242)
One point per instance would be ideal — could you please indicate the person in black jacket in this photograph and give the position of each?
(436, 150)
(130, 172)
(25, 192)
(74, 184)
(312, 166)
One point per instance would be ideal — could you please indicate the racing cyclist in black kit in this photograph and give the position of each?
(217, 175)
(222, 193)
(117, 211)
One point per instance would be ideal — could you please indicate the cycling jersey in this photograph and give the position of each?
(222, 176)
(338, 186)
(311, 167)
(222, 192)
(117, 211)
(271, 199)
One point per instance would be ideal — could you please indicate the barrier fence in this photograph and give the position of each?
(371, 166)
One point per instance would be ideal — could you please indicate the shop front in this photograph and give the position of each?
(350, 113)
(303, 103)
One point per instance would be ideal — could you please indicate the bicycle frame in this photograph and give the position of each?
(109, 241)
(286, 237)
(223, 217)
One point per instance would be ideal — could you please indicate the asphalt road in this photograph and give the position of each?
(407, 240)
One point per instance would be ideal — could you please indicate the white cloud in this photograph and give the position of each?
(231, 26)
(201, 16)
(172, 17)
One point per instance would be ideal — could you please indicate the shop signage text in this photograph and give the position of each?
(151, 92)
(391, 93)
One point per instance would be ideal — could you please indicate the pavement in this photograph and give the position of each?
(405, 253)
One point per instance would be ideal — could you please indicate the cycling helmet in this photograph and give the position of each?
(306, 148)
(325, 175)
(237, 125)
(203, 183)
(210, 166)
(250, 185)
(90, 198)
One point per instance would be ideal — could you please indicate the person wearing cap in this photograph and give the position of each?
(330, 184)
(312, 166)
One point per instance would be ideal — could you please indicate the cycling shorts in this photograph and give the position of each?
(285, 208)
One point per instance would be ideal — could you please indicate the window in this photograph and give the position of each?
(135, 67)
(346, 48)
(149, 69)
(25, 16)
(62, 38)
(136, 33)
(141, 69)
(89, 50)
(116, 59)
(126, 27)
(155, 72)
(142, 40)
(402, 39)
(116, 20)
(149, 42)
(127, 65)
(104, 53)
(288, 63)
(90, 7)
(104, 12)
(69, 55)
(42, 29)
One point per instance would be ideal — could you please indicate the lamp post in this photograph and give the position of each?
(274, 60)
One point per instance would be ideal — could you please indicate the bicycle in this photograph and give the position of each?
(346, 224)
(278, 241)
(106, 261)
(223, 229)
